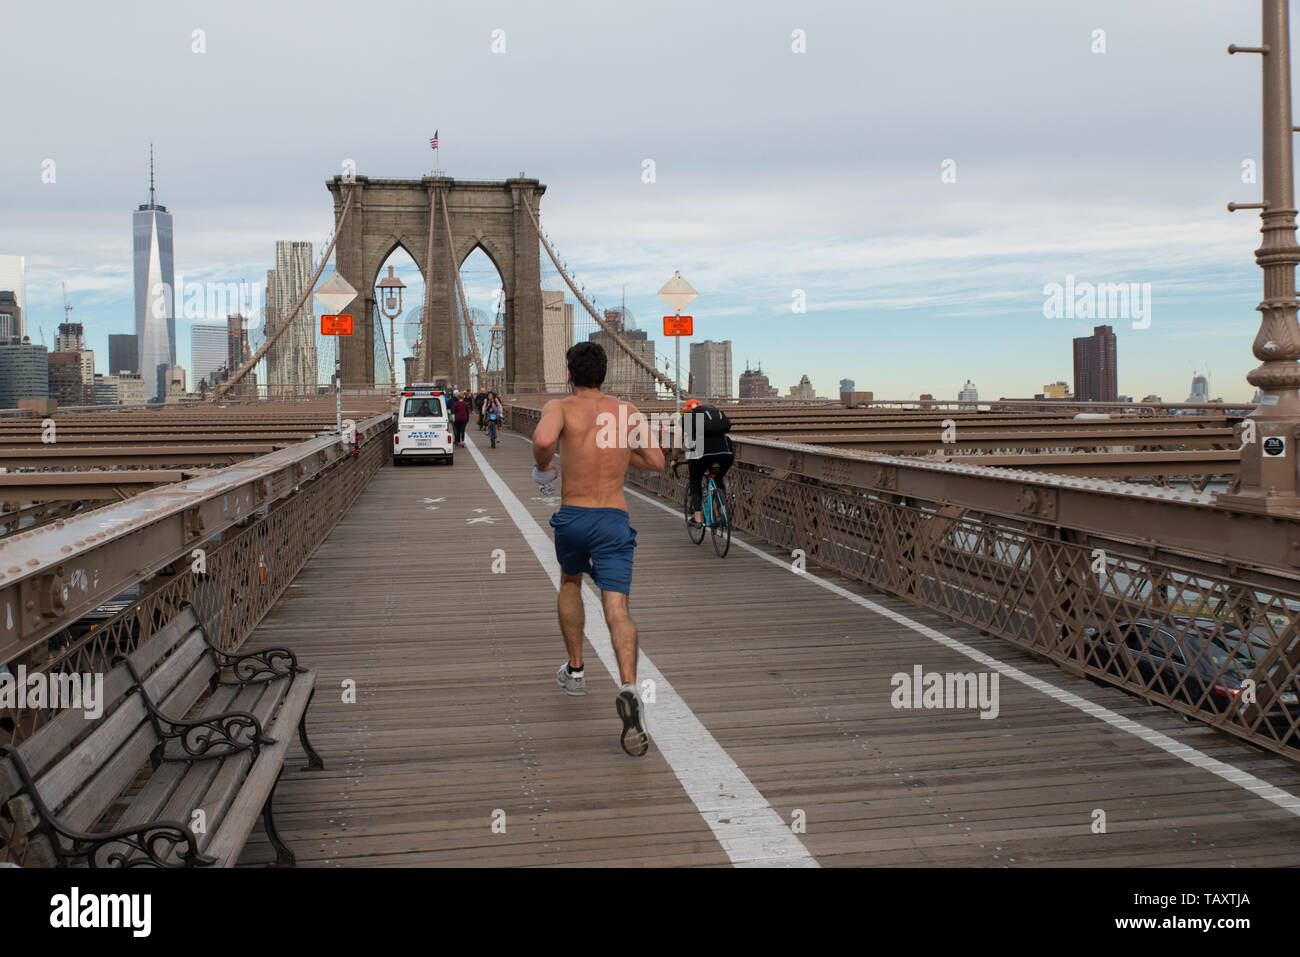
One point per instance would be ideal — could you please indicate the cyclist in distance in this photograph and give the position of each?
(705, 428)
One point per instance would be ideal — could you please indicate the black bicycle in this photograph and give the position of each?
(713, 508)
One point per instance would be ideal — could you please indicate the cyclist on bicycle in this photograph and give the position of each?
(707, 432)
(493, 412)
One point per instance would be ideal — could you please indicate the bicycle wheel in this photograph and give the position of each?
(720, 529)
(695, 531)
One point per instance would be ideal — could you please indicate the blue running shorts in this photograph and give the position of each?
(598, 541)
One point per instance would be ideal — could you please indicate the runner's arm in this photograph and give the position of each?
(546, 437)
(646, 453)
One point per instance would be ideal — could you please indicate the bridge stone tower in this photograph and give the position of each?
(388, 213)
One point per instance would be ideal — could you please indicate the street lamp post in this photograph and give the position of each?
(388, 293)
(1268, 455)
(678, 294)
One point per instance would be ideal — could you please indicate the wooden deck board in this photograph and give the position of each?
(458, 715)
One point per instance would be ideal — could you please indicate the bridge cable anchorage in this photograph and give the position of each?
(460, 289)
(636, 357)
(238, 375)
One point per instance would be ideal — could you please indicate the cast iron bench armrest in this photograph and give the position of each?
(222, 728)
(254, 667)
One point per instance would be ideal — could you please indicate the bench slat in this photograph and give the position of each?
(190, 795)
(184, 786)
(101, 791)
(56, 736)
(98, 752)
(231, 837)
(162, 783)
(10, 782)
(221, 789)
(246, 700)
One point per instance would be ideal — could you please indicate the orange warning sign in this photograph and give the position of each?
(678, 325)
(336, 325)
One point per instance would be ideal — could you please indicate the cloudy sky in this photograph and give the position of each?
(777, 173)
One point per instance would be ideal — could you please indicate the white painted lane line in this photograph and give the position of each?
(744, 823)
(1258, 786)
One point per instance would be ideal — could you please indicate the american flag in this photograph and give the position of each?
(433, 140)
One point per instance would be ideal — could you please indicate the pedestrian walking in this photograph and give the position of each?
(460, 418)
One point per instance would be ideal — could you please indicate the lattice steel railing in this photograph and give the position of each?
(247, 569)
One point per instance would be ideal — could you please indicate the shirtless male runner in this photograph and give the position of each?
(602, 437)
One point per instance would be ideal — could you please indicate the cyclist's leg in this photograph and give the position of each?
(696, 469)
(720, 471)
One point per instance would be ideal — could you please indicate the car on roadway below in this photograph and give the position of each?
(1201, 661)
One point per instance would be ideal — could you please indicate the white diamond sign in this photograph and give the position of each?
(677, 292)
(334, 295)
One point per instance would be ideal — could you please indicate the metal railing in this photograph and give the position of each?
(280, 512)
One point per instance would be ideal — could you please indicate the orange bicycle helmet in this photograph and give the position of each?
(690, 404)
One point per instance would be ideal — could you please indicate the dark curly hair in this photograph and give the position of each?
(587, 364)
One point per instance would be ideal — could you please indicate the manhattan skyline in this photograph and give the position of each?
(765, 189)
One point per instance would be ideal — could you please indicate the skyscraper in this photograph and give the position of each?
(291, 362)
(1095, 378)
(848, 385)
(71, 338)
(623, 376)
(155, 312)
(968, 394)
(65, 379)
(13, 278)
(123, 354)
(711, 368)
(557, 336)
(24, 373)
(236, 341)
(11, 316)
(208, 350)
(755, 385)
(803, 390)
(1200, 389)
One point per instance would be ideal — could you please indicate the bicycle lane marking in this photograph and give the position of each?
(1234, 775)
(747, 827)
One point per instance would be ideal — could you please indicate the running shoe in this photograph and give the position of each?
(572, 684)
(635, 738)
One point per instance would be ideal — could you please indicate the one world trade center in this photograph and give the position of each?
(155, 314)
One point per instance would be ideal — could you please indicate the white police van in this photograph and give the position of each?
(423, 426)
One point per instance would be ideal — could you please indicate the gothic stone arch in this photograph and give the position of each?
(387, 213)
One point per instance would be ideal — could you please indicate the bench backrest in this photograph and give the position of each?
(80, 765)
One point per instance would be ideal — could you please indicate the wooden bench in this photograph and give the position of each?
(185, 727)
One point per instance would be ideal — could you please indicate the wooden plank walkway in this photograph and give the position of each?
(457, 715)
